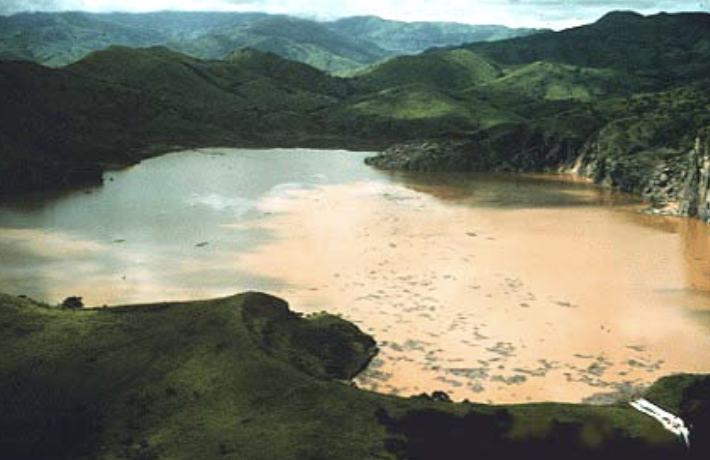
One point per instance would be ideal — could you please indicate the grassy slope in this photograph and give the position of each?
(241, 378)
(437, 110)
(553, 81)
(183, 382)
(622, 54)
(452, 70)
(433, 91)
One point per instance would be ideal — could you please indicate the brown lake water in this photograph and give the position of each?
(493, 288)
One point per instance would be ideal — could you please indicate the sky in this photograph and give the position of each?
(556, 14)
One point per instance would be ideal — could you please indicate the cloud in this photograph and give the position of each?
(533, 13)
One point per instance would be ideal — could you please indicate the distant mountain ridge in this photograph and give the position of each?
(57, 39)
(414, 37)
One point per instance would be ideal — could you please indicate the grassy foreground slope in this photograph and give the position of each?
(244, 378)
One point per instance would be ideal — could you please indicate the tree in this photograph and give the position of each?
(73, 302)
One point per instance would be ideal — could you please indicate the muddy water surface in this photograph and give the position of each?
(492, 288)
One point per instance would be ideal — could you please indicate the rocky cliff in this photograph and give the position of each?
(504, 148)
(695, 198)
(672, 179)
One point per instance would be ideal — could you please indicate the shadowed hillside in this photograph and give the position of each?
(61, 127)
(58, 127)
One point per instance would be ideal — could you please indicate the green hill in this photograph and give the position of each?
(450, 70)
(290, 73)
(56, 39)
(240, 93)
(119, 105)
(422, 110)
(621, 53)
(670, 48)
(244, 378)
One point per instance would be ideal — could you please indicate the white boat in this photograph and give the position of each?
(670, 422)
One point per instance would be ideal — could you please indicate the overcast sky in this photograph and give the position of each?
(527, 13)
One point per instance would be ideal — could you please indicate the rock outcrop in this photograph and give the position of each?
(673, 180)
(695, 199)
(504, 148)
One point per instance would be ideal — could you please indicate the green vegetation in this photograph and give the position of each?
(553, 81)
(243, 377)
(301, 40)
(669, 48)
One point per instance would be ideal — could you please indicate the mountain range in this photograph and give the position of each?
(57, 39)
